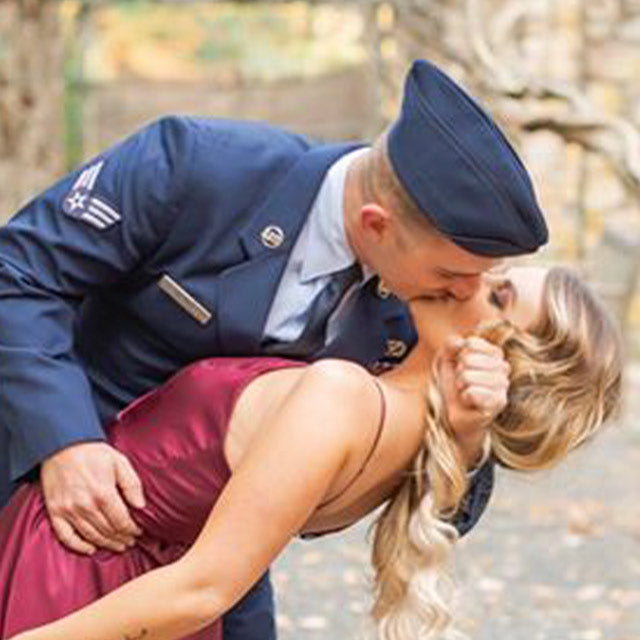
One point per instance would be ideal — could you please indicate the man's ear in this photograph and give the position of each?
(375, 221)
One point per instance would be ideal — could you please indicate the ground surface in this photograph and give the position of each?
(556, 556)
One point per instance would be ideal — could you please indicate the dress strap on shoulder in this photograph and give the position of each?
(383, 414)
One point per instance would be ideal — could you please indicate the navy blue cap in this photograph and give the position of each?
(460, 169)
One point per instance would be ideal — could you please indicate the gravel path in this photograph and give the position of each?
(556, 556)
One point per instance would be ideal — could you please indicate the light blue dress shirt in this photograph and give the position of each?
(321, 250)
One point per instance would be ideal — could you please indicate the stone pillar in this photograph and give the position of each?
(31, 83)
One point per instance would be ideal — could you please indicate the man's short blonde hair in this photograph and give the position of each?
(383, 185)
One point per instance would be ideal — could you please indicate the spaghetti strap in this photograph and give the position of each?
(383, 413)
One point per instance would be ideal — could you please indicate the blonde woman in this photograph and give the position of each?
(247, 453)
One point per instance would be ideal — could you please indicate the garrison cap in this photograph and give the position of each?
(460, 169)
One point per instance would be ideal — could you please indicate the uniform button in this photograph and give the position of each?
(395, 348)
(383, 291)
(272, 236)
(379, 366)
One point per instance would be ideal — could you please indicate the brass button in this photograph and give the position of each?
(272, 236)
(383, 291)
(395, 348)
(379, 366)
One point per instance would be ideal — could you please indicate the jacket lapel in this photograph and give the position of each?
(373, 324)
(246, 290)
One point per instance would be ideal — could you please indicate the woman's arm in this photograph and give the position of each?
(283, 477)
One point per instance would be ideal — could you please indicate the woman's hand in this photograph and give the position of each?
(475, 379)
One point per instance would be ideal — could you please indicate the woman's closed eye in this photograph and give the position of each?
(500, 295)
(494, 299)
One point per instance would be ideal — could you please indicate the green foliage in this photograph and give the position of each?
(133, 7)
(238, 33)
(223, 40)
(219, 40)
(73, 96)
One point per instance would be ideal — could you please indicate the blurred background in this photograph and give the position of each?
(557, 556)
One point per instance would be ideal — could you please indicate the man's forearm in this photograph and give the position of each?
(41, 380)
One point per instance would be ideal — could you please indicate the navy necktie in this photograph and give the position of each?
(323, 305)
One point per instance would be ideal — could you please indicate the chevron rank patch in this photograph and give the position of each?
(81, 204)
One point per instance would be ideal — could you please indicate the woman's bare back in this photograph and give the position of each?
(378, 476)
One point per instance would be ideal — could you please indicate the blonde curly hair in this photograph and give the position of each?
(565, 383)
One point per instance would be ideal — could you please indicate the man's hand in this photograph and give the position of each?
(475, 379)
(84, 486)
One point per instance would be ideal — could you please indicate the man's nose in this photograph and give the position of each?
(465, 288)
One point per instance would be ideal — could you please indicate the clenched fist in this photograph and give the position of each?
(475, 378)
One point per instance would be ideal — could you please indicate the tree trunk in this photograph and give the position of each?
(31, 82)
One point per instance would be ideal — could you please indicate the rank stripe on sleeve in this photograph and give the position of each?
(81, 204)
(103, 211)
(93, 221)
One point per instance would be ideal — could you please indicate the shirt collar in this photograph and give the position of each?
(327, 249)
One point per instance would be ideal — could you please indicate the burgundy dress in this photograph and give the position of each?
(173, 437)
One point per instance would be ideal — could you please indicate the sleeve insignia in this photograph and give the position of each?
(81, 204)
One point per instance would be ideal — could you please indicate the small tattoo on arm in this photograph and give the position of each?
(143, 634)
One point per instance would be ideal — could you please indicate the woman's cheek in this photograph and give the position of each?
(471, 316)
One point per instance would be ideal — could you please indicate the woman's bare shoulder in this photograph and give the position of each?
(344, 389)
(340, 375)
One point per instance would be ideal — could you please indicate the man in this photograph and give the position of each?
(198, 238)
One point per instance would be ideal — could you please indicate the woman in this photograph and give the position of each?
(313, 448)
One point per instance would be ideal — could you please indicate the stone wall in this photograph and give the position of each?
(505, 51)
(337, 106)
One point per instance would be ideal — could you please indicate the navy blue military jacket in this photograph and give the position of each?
(165, 249)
